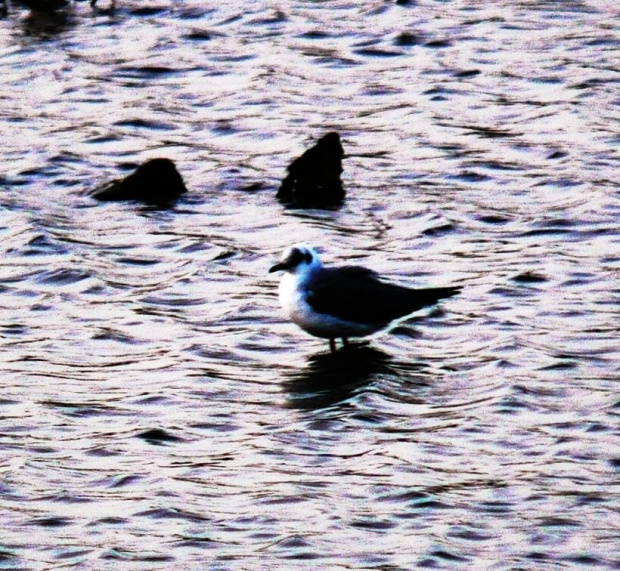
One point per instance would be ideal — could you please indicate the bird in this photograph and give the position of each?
(344, 301)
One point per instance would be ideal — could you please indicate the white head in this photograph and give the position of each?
(297, 259)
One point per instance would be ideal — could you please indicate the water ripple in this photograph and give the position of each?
(151, 386)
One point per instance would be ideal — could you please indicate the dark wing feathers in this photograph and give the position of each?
(356, 294)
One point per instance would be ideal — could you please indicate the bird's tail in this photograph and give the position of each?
(419, 298)
(434, 294)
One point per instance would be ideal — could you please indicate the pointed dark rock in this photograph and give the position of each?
(313, 179)
(155, 182)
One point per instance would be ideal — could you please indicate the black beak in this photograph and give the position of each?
(277, 268)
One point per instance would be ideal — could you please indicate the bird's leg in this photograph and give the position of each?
(332, 345)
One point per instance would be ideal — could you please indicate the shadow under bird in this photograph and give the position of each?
(344, 301)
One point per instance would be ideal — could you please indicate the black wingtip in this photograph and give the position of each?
(430, 296)
(448, 291)
(437, 294)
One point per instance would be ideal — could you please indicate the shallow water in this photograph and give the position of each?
(157, 410)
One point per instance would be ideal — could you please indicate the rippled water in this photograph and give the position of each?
(156, 409)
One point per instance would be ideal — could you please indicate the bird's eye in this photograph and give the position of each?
(296, 257)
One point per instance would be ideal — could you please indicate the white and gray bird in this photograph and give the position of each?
(344, 301)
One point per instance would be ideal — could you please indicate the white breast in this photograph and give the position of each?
(293, 302)
(290, 295)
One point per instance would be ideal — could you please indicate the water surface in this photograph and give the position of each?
(157, 410)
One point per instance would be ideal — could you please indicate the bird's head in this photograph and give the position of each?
(296, 259)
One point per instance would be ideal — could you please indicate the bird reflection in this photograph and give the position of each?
(331, 378)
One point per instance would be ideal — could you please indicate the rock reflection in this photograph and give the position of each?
(329, 379)
(50, 18)
(47, 24)
(44, 5)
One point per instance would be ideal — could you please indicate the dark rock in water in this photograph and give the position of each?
(557, 155)
(407, 39)
(529, 278)
(44, 5)
(155, 182)
(313, 179)
(47, 5)
(158, 435)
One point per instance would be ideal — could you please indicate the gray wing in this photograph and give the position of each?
(354, 293)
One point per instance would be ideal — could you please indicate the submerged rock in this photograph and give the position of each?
(155, 182)
(313, 179)
(158, 436)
